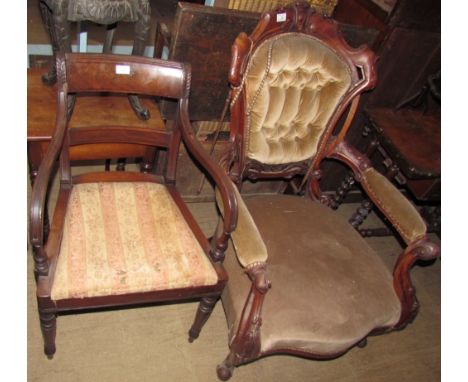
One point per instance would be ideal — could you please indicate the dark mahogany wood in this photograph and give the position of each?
(162, 78)
(300, 18)
(246, 345)
(89, 110)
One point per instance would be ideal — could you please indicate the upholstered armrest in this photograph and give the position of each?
(393, 204)
(248, 243)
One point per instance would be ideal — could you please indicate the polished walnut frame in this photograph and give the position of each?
(300, 18)
(94, 73)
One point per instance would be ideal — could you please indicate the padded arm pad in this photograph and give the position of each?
(248, 243)
(396, 207)
(393, 204)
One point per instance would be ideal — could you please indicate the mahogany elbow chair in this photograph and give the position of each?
(302, 281)
(121, 238)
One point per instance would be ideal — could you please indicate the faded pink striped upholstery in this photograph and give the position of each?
(126, 237)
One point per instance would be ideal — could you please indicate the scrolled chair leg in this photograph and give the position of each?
(203, 313)
(48, 327)
(225, 369)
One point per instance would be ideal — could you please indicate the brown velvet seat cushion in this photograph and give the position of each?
(329, 288)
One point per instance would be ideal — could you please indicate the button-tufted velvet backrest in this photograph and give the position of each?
(293, 84)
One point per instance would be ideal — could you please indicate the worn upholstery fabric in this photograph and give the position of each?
(293, 85)
(126, 237)
(329, 288)
(248, 242)
(404, 216)
(107, 11)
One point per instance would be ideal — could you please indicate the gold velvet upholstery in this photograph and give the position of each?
(329, 289)
(404, 216)
(122, 238)
(248, 242)
(320, 289)
(293, 85)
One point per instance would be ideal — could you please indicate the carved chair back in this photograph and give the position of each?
(293, 79)
(96, 73)
(89, 73)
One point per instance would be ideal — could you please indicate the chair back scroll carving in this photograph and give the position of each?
(296, 86)
(283, 114)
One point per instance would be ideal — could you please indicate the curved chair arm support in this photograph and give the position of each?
(222, 181)
(246, 344)
(404, 217)
(248, 243)
(390, 201)
(421, 249)
(39, 192)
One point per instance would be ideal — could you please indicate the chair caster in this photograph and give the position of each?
(224, 372)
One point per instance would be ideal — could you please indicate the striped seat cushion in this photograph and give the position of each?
(126, 237)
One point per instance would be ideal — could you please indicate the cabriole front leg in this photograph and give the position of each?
(246, 345)
(419, 250)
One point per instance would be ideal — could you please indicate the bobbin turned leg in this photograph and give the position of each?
(48, 326)
(203, 313)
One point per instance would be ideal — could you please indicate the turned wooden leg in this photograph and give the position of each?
(361, 213)
(121, 162)
(203, 313)
(147, 163)
(342, 191)
(48, 326)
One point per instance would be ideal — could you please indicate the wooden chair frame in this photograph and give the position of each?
(79, 73)
(300, 18)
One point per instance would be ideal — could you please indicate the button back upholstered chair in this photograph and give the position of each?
(301, 279)
(120, 238)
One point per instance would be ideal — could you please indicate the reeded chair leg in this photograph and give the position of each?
(203, 313)
(48, 326)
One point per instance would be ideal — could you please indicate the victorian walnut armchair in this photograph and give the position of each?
(121, 238)
(302, 281)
